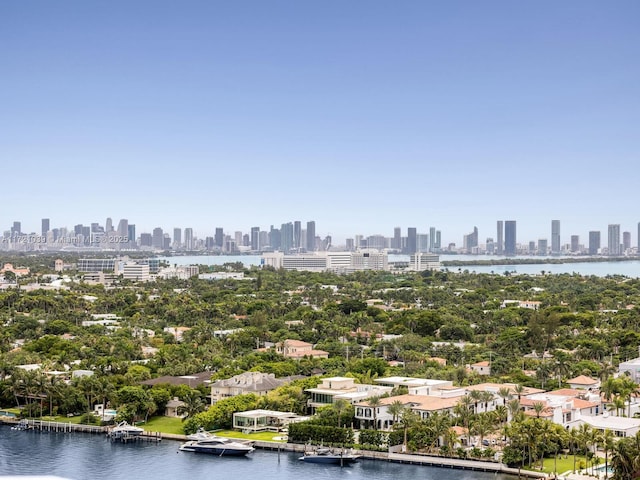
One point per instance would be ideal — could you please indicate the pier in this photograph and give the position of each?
(65, 427)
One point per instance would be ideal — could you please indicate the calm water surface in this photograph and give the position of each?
(83, 456)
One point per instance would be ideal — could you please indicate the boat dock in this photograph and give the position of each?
(426, 460)
(65, 427)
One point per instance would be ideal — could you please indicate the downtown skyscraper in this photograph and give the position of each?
(614, 239)
(555, 237)
(510, 237)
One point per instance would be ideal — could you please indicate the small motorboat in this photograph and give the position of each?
(124, 431)
(328, 456)
(21, 425)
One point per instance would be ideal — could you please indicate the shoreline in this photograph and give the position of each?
(412, 459)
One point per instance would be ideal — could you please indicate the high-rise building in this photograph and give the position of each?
(437, 245)
(490, 246)
(219, 237)
(131, 234)
(263, 239)
(412, 240)
(16, 229)
(510, 237)
(45, 227)
(237, 236)
(470, 241)
(500, 237)
(626, 241)
(275, 240)
(188, 239)
(255, 238)
(542, 246)
(123, 227)
(555, 237)
(286, 237)
(146, 239)
(177, 237)
(158, 238)
(297, 234)
(397, 238)
(532, 247)
(594, 242)
(432, 239)
(108, 225)
(575, 243)
(614, 239)
(311, 236)
(379, 242)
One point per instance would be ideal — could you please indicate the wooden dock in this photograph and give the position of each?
(65, 427)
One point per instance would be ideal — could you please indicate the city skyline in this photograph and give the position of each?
(353, 114)
(290, 236)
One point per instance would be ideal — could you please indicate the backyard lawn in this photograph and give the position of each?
(163, 425)
(564, 464)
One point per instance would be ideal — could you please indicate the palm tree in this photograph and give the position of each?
(514, 409)
(559, 437)
(505, 394)
(52, 390)
(395, 410)
(340, 406)
(374, 402)
(462, 411)
(409, 420)
(483, 426)
(625, 459)
(584, 437)
(103, 390)
(539, 407)
(192, 405)
(617, 404)
(439, 423)
(519, 389)
(608, 443)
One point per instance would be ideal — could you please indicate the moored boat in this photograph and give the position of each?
(328, 456)
(215, 445)
(124, 430)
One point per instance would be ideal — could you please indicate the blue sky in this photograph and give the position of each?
(360, 115)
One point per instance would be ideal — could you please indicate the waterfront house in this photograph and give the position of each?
(621, 427)
(248, 382)
(343, 388)
(423, 405)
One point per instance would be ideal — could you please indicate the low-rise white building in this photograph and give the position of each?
(344, 388)
(338, 262)
(631, 368)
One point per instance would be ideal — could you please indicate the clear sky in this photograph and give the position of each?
(361, 115)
